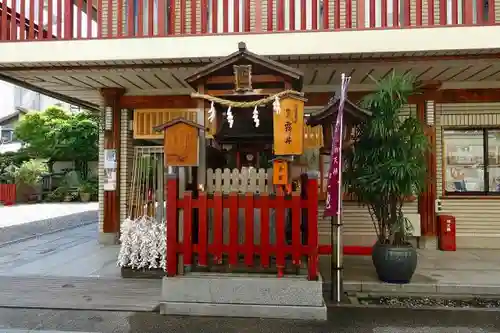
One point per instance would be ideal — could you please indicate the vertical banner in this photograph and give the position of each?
(334, 186)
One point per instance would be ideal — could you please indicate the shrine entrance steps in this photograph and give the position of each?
(243, 295)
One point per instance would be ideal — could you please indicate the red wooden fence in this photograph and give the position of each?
(85, 19)
(300, 208)
(8, 194)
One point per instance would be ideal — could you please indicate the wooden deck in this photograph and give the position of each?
(70, 270)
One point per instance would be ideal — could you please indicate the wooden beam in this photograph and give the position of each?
(158, 102)
(255, 79)
(399, 59)
(313, 99)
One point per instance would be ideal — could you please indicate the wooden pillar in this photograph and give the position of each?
(111, 197)
(428, 218)
(202, 164)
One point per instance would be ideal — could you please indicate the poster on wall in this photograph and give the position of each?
(109, 179)
(110, 158)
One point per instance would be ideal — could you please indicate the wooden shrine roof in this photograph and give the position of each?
(354, 114)
(245, 56)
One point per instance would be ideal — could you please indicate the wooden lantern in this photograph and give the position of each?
(280, 172)
(180, 142)
(288, 126)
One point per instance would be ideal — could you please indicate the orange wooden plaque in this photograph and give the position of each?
(181, 145)
(280, 172)
(288, 127)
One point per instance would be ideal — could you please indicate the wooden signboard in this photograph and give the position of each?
(242, 78)
(280, 172)
(180, 142)
(288, 127)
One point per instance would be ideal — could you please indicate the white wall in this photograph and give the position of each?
(6, 99)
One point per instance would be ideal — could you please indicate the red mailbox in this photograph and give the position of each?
(447, 240)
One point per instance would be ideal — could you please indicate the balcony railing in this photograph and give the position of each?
(86, 19)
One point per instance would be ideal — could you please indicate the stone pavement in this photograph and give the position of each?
(464, 272)
(70, 270)
(26, 221)
(340, 320)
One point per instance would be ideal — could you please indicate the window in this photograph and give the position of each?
(472, 161)
(6, 135)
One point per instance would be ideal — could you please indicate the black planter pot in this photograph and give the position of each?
(394, 264)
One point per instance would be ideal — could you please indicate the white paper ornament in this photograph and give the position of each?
(276, 105)
(230, 118)
(255, 117)
(143, 244)
(211, 113)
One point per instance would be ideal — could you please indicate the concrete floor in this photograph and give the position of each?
(340, 320)
(74, 252)
(20, 214)
(69, 269)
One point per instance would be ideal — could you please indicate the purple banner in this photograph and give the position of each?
(334, 186)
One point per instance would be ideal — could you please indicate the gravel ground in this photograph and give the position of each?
(418, 302)
(31, 229)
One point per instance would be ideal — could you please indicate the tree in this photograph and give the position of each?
(57, 135)
(387, 163)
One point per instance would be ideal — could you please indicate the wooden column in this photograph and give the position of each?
(426, 203)
(111, 223)
(202, 163)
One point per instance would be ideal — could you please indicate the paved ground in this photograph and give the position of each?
(341, 320)
(25, 221)
(468, 272)
(72, 252)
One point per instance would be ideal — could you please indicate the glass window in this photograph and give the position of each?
(6, 135)
(494, 161)
(466, 170)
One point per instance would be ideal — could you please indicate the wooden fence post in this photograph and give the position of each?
(312, 226)
(171, 223)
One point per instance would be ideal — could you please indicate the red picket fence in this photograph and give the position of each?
(8, 194)
(302, 212)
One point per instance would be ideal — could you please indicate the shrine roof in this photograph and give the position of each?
(352, 111)
(243, 55)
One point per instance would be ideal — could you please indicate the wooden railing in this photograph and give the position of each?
(85, 19)
(203, 242)
(240, 181)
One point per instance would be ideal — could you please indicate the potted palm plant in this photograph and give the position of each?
(87, 189)
(385, 166)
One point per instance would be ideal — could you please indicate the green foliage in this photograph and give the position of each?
(55, 134)
(30, 172)
(8, 163)
(89, 186)
(387, 163)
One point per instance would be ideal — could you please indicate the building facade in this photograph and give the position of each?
(128, 59)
